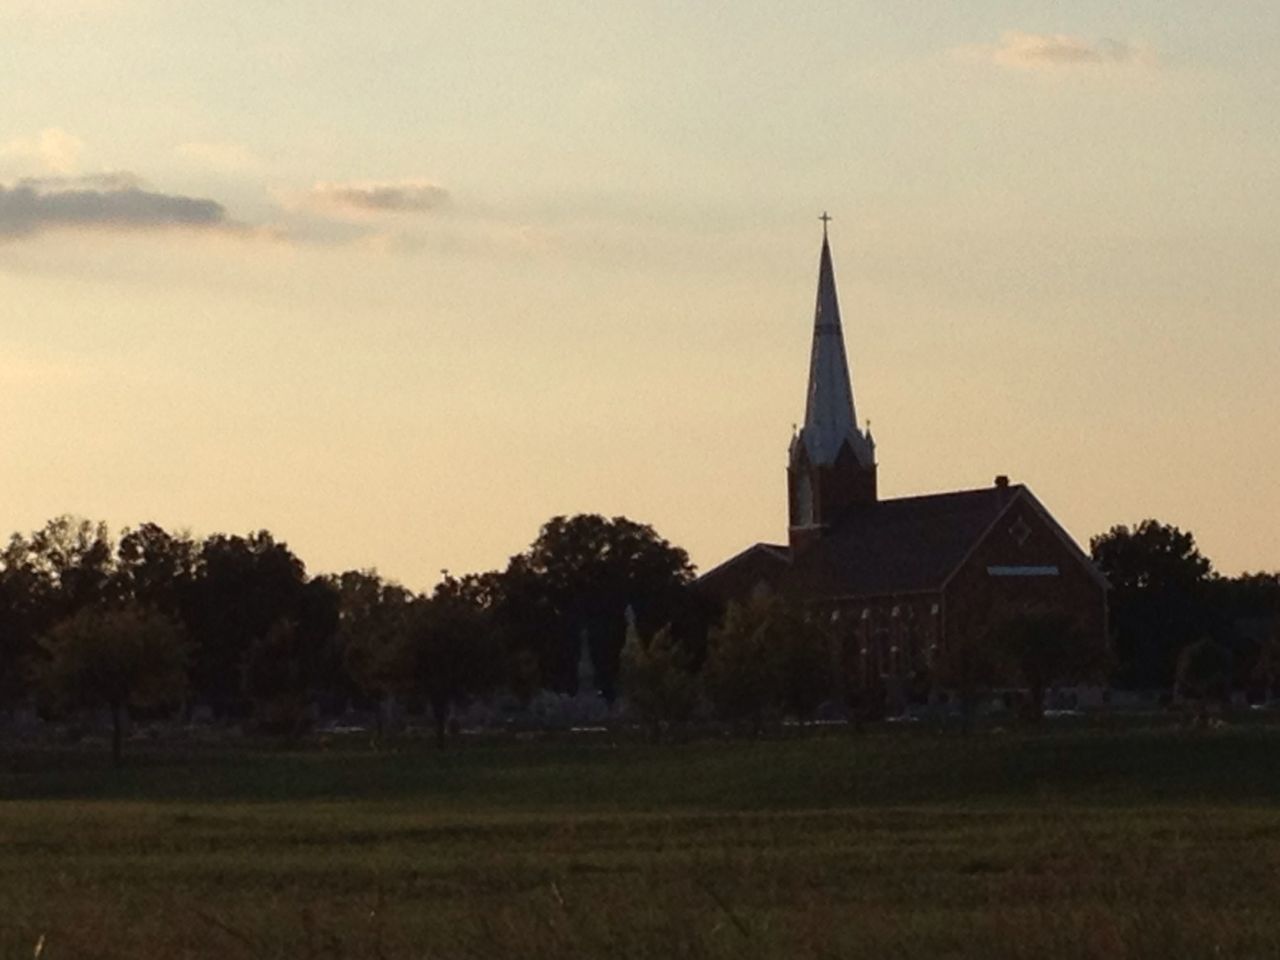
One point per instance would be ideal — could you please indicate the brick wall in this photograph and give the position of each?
(1022, 542)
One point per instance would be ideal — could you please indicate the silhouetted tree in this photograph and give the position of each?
(1204, 674)
(1266, 663)
(857, 678)
(294, 662)
(63, 567)
(156, 569)
(22, 616)
(372, 621)
(450, 652)
(1039, 647)
(970, 661)
(1158, 598)
(657, 681)
(800, 648)
(582, 573)
(272, 679)
(525, 618)
(115, 657)
(76, 558)
(243, 587)
(1248, 595)
(46, 577)
(739, 672)
(1246, 615)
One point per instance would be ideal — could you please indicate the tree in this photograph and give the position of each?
(524, 616)
(800, 648)
(243, 587)
(450, 652)
(970, 662)
(858, 680)
(293, 663)
(739, 671)
(1246, 613)
(23, 616)
(1266, 666)
(155, 568)
(74, 557)
(657, 681)
(1159, 602)
(272, 679)
(585, 571)
(1038, 647)
(1204, 676)
(116, 657)
(59, 569)
(372, 615)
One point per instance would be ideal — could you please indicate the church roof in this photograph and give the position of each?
(902, 545)
(778, 553)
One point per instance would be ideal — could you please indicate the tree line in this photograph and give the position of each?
(1177, 624)
(156, 618)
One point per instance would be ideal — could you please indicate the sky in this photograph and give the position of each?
(400, 281)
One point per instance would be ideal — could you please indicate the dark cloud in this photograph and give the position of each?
(111, 180)
(399, 196)
(107, 201)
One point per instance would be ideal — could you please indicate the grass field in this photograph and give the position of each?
(1062, 844)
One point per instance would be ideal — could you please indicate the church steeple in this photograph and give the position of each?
(830, 418)
(832, 462)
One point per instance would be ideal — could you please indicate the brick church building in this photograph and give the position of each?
(902, 576)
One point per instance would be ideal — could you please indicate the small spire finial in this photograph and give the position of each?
(825, 218)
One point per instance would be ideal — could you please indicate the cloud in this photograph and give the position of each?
(108, 202)
(1037, 51)
(361, 214)
(53, 149)
(112, 180)
(374, 196)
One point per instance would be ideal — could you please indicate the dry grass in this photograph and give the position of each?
(789, 849)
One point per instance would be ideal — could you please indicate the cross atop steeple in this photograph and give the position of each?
(825, 218)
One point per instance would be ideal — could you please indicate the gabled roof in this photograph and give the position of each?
(902, 545)
(905, 545)
(778, 553)
(1087, 561)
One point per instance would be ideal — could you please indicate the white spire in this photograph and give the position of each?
(829, 415)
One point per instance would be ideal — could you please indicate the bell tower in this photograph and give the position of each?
(832, 463)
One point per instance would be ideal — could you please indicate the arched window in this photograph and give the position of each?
(804, 501)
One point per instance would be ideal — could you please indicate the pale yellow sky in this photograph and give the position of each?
(401, 285)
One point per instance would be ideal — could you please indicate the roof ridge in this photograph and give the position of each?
(948, 493)
(772, 548)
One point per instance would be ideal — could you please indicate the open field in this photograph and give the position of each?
(1063, 844)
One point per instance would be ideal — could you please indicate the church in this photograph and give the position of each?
(902, 576)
